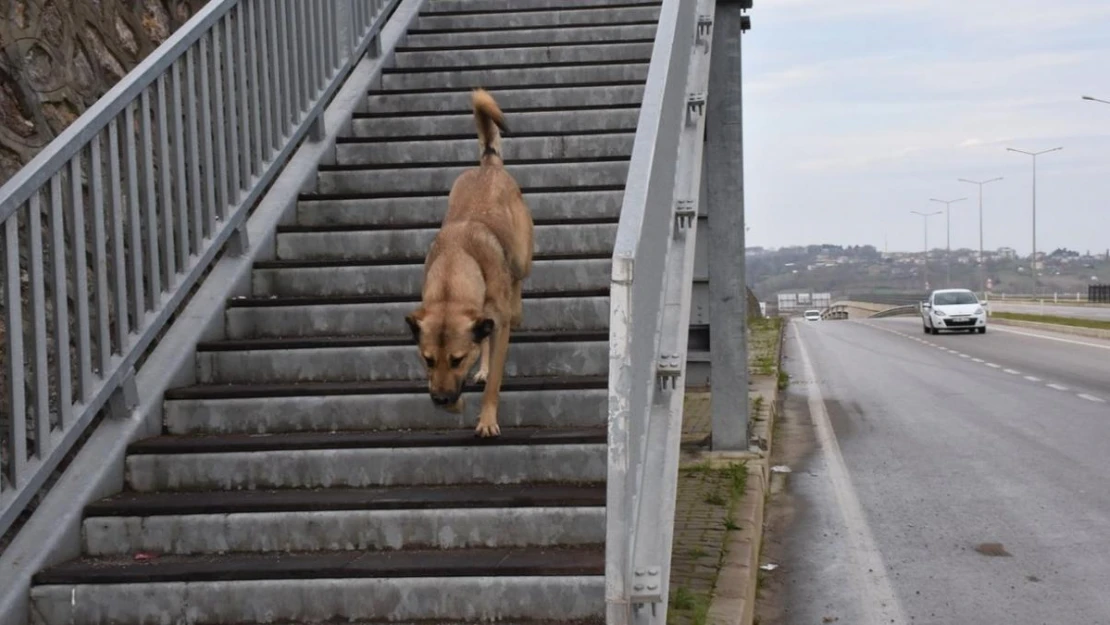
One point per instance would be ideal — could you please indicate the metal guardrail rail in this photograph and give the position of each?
(106, 231)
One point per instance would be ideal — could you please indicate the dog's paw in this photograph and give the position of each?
(481, 375)
(487, 429)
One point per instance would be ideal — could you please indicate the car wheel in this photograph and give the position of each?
(925, 328)
(983, 330)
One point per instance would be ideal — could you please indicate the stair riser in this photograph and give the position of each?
(413, 244)
(440, 6)
(359, 468)
(507, 98)
(388, 319)
(505, 38)
(425, 210)
(321, 600)
(462, 124)
(440, 179)
(508, 19)
(397, 280)
(525, 56)
(461, 150)
(515, 77)
(345, 530)
(274, 415)
(371, 364)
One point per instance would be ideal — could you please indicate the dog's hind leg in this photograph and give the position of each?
(517, 305)
(487, 418)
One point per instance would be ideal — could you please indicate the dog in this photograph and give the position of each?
(473, 275)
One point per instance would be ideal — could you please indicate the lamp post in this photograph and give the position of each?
(948, 245)
(982, 269)
(925, 223)
(1087, 97)
(1033, 262)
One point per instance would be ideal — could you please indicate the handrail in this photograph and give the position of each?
(141, 194)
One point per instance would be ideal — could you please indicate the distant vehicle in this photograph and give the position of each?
(812, 314)
(953, 309)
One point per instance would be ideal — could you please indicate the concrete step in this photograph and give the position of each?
(455, 6)
(363, 360)
(460, 125)
(366, 459)
(639, 50)
(425, 586)
(273, 409)
(559, 238)
(452, 101)
(569, 15)
(371, 519)
(428, 178)
(538, 146)
(326, 279)
(580, 203)
(370, 316)
(512, 75)
(567, 35)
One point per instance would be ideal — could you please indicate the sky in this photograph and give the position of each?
(857, 112)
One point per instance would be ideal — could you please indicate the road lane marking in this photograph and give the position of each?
(1105, 345)
(1032, 378)
(994, 366)
(964, 356)
(1012, 371)
(877, 600)
(978, 360)
(1097, 400)
(1059, 387)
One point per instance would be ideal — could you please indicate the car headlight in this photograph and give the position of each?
(939, 313)
(978, 311)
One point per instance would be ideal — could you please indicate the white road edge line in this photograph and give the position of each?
(1054, 338)
(878, 602)
(1097, 400)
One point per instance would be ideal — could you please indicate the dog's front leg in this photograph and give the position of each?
(487, 418)
(483, 365)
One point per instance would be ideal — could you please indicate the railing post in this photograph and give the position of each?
(724, 160)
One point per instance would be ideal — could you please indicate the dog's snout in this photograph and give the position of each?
(443, 399)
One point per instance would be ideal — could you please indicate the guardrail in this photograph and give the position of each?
(650, 300)
(108, 229)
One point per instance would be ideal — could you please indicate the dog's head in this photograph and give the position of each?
(450, 341)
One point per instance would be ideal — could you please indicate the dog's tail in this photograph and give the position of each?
(490, 121)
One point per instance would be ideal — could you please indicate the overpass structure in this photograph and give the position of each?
(211, 410)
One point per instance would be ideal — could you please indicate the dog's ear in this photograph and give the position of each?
(482, 329)
(413, 319)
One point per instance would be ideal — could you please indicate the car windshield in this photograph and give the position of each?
(954, 299)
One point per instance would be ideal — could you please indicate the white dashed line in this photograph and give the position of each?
(1097, 400)
(978, 360)
(1012, 372)
(1059, 387)
(1032, 379)
(994, 366)
(964, 356)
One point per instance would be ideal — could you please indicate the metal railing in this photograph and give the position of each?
(106, 231)
(650, 299)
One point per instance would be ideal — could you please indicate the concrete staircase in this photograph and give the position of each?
(306, 476)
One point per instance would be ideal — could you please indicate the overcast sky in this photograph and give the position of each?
(859, 111)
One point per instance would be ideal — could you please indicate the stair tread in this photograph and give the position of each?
(433, 225)
(275, 302)
(553, 162)
(398, 71)
(521, 45)
(531, 561)
(501, 29)
(381, 498)
(631, 4)
(407, 260)
(385, 439)
(385, 387)
(493, 90)
(508, 112)
(535, 336)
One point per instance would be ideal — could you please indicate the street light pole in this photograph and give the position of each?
(925, 223)
(948, 245)
(1087, 97)
(982, 268)
(1033, 262)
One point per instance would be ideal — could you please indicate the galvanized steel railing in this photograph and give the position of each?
(650, 300)
(106, 231)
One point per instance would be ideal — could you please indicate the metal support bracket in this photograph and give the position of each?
(668, 371)
(316, 130)
(647, 586)
(124, 399)
(705, 25)
(685, 213)
(695, 108)
(239, 242)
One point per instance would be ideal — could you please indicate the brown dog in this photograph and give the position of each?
(473, 274)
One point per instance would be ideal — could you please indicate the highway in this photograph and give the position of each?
(940, 479)
(1048, 308)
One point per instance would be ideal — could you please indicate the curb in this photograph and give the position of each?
(1093, 333)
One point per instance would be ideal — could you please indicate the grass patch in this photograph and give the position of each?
(689, 605)
(715, 499)
(763, 343)
(1096, 324)
(683, 599)
(784, 380)
(698, 552)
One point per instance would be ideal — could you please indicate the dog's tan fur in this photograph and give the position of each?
(473, 274)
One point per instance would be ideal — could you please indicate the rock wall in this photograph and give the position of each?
(57, 57)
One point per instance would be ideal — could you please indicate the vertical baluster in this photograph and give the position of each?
(80, 282)
(258, 155)
(154, 271)
(312, 49)
(179, 210)
(196, 223)
(100, 258)
(37, 278)
(223, 193)
(265, 60)
(289, 86)
(13, 319)
(119, 260)
(245, 113)
(330, 39)
(230, 104)
(205, 106)
(169, 268)
(134, 216)
(61, 302)
(299, 61)
(276, 63)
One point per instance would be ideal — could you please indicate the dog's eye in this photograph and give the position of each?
(431, 362)
(456, 361)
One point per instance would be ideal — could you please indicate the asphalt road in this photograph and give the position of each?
(1048, 308)
(924, 451)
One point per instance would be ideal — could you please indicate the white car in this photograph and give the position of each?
(812, 315)
(953, 309)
